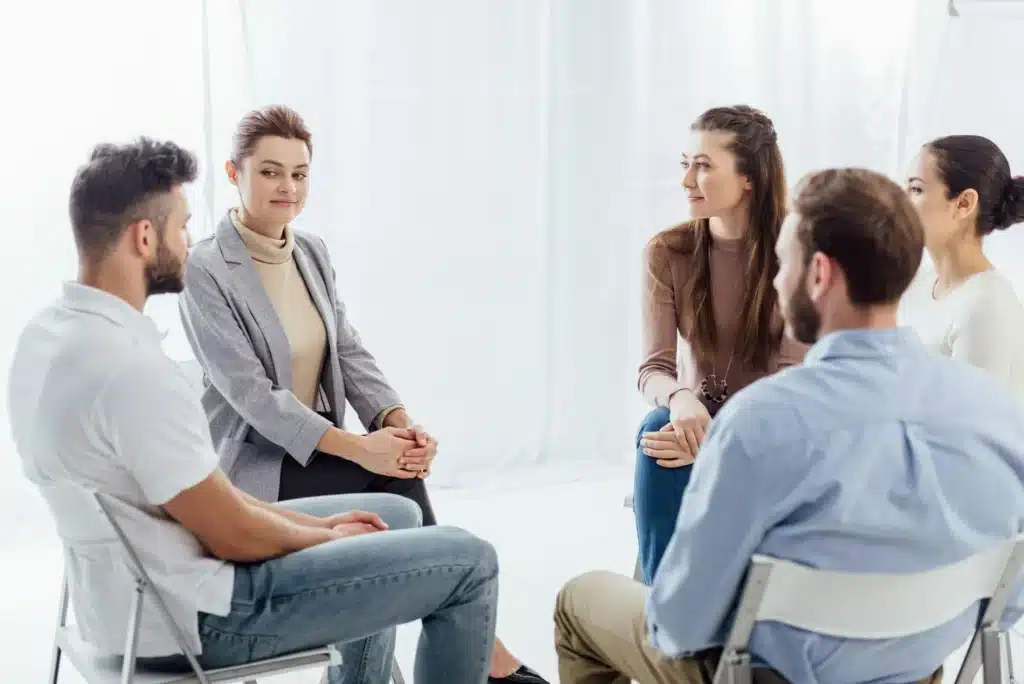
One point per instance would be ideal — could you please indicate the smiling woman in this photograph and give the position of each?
(262, 313)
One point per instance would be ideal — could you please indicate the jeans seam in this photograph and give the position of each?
(349, 582)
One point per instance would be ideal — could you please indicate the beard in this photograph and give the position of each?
(802, 319)
(166, 274)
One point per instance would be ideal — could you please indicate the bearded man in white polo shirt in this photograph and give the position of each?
(97, 406)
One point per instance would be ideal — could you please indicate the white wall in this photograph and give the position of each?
(485, 173)
(76, 74)
(968, 82)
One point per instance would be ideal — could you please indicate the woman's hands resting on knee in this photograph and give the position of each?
(677, 443)
(403, 453)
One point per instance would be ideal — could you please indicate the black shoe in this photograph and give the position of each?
(523, 675)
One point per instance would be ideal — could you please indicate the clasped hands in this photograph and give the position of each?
(677, 444)
(403, 453)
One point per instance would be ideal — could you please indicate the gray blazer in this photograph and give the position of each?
(255, 419)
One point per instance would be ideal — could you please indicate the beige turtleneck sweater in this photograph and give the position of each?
(299, 316)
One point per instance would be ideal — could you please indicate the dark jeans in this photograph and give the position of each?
(327, 475)
(657, 496)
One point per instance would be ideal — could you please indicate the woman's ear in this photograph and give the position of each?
(232, 171)
(967, 204)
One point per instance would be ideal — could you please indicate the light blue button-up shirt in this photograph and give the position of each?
(875, 455)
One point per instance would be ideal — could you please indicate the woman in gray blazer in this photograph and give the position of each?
(280, 357)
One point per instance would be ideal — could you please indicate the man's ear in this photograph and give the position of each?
(143, 237)
(232, 171)
(820, 275)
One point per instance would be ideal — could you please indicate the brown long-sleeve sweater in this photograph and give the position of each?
(664, 369)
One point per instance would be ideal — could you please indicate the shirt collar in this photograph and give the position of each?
(91, 300)
(863, 343)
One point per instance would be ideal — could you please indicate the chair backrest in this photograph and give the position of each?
(874, 605)
(878, 605)
(109, 505)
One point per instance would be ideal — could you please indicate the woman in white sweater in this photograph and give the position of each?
(959, 304)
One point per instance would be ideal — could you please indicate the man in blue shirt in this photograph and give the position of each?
(875, 455)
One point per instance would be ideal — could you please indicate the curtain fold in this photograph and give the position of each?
(485, 174)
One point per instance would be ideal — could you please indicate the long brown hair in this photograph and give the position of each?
(758, 158)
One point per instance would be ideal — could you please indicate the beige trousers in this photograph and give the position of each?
(601, 638)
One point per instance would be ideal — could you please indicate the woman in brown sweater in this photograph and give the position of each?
(708, 281)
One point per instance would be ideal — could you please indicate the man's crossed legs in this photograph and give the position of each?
(353, 592)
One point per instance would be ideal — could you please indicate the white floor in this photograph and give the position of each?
(544, 534)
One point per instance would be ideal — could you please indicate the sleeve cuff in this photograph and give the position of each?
(660, 388)
(309, 435)
(378, 422)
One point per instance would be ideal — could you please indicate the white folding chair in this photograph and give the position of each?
(878, 605)
(97, 668)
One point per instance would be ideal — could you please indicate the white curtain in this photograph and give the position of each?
(485, 173)
(76, 74)
(966, 80)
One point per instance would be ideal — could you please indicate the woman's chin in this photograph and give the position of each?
(284, 212)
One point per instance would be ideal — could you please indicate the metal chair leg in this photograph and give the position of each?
(62, 615)
(991, 656)
(396, 672)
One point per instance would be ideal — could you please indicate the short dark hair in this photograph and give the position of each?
(867, 224)
(973, 161)
(122, 184)
(276, 120)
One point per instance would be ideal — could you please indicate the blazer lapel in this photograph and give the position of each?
(254, 294)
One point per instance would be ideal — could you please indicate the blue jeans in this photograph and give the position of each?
(657, 496)
(353, 593)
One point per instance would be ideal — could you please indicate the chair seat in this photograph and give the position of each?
(100, 669)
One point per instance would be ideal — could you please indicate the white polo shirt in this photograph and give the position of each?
(95, 405)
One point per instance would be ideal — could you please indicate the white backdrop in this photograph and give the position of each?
(485, 173)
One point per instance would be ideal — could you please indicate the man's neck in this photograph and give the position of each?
(870, 318)
(116, 281)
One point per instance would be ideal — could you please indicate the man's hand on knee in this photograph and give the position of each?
(371, 521)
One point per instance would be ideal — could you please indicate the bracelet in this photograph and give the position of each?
(668, 401)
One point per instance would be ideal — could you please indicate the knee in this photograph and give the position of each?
(466, 548)
(399, 513)
(653, 421)
(576, 595)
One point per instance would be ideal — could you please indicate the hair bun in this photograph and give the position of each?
(1010, 208)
